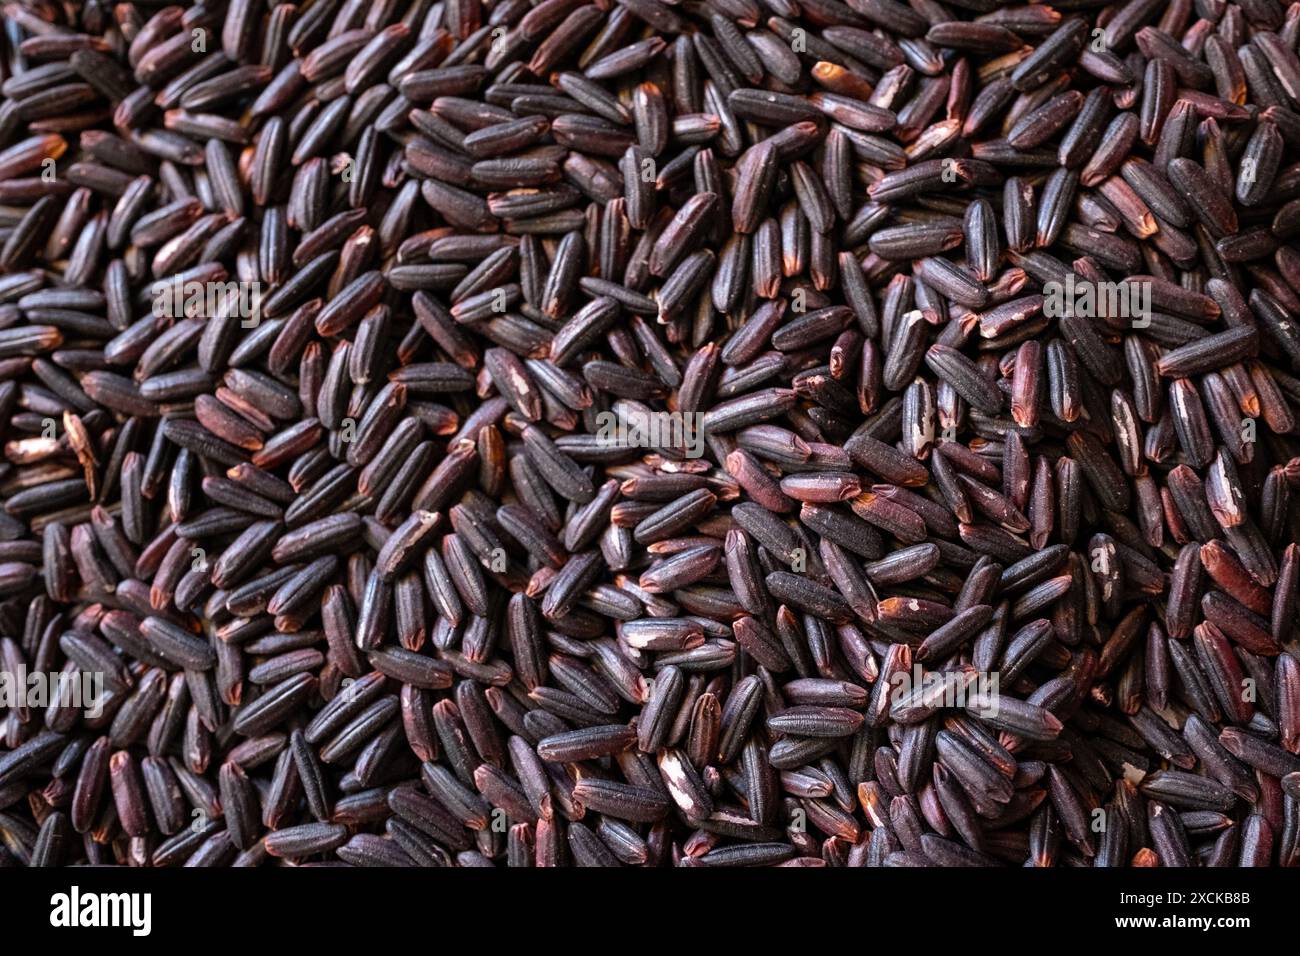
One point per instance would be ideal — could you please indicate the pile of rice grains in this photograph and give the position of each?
(714, 433)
